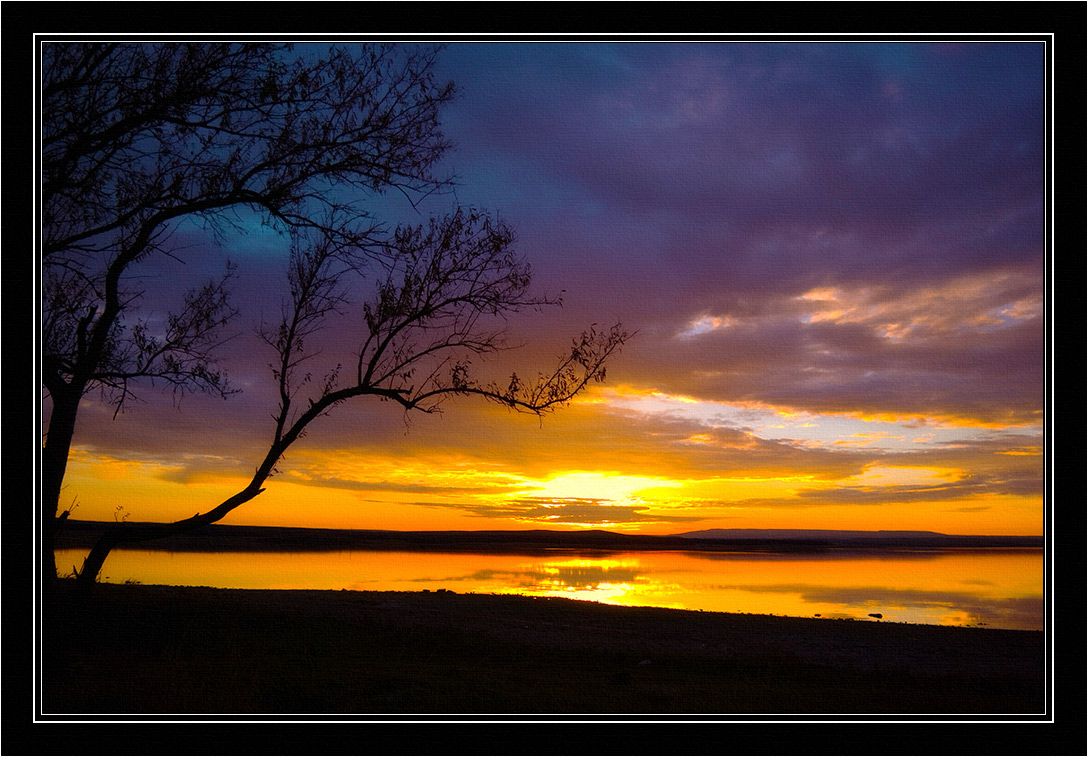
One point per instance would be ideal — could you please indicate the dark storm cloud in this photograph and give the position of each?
(761, 138)
(657, 183)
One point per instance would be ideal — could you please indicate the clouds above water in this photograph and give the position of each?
(850, 234)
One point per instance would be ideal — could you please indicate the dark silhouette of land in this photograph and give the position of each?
(166, 650)
(220, 537)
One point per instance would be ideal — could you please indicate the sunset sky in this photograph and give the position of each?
(834, 257)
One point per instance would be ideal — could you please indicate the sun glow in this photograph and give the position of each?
(595, 486)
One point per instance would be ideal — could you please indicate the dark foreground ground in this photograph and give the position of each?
(168, 650)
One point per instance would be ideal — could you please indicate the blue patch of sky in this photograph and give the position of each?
(239, 232)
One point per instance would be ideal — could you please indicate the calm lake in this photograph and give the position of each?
(994, 588)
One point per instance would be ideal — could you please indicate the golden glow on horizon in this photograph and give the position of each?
(698, 464)
(464, 498)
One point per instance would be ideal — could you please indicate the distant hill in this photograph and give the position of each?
(806, 534)
(830, 537)
(219, 537)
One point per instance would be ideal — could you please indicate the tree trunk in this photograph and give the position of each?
(58, 443)
(125, 533)
(92, 566)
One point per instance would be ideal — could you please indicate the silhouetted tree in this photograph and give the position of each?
(447, 285)
(135, 137)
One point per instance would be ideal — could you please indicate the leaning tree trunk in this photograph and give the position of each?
(128, 533)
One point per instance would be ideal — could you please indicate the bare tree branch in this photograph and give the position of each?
(137, 137)
(427, 314)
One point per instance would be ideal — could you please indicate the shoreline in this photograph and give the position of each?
(147, 649)
(229, 538)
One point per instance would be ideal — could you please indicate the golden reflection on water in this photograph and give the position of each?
(998, 589)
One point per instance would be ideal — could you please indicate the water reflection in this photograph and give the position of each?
(996, 589)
